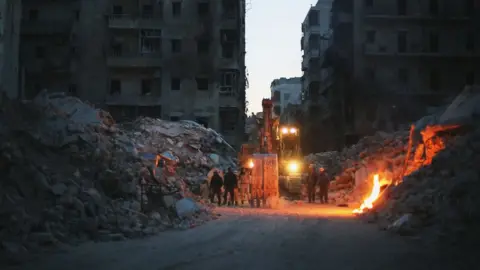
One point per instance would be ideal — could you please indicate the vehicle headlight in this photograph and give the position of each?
(284, 130)
(293, 130)
(250, 164)
(293, 167)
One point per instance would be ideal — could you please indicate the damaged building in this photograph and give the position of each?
(10, 15)
(397, 60)
(175, 60)
(285, 91)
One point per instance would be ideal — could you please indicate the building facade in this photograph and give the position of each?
(285, 91)
(10, 15)
(166, 59)
(394, 59)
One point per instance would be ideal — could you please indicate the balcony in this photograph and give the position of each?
(415, 50)
(312, 53)
(47, 27)
(130, 60)
(125, 21)
(341, 17)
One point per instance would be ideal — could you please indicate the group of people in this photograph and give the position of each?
(317, 177)
(229, 183)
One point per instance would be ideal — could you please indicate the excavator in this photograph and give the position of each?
(279, 136)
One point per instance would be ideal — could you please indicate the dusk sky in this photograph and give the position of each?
(273, 32)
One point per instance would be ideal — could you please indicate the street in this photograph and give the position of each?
(296, 237)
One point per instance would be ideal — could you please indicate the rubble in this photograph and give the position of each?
(69, 174)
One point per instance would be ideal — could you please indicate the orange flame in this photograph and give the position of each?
(368, 202)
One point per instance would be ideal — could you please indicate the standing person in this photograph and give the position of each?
(311, 184)
(324, 183)
(216, 187)
(230, 183)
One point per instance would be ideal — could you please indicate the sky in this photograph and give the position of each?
(273, 32)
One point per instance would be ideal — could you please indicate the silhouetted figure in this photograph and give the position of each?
(324, 184)
(231, 182)
(311, 184)
(216, 188)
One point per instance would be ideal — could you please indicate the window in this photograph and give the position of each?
(402, 41)
(175, 84)
(434, 81)
(228, 119)
(176, 9)
(369, 74)
(150, 111)
(203, 9)
(117, 10)
(203, 46)
(470, 42)
(117, 49)
(115, 87)
(228, 83)
(229, 8)
(277, 110)
(147, 11)
(77, 15)
(146, 86)
(151, 41)
(72, 89)
(313, 18)
(433, 42)
(368, 3)
(33, 14)
(403, 75)
(174, 118)
(371, 36)
(276, 96)
(402, 7)
(470, 78)
(433, 7)
(202, 84)
(40, 52)
(176, 45)
(202, 121)
(228, 50)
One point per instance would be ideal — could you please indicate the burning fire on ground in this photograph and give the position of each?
(374, 194)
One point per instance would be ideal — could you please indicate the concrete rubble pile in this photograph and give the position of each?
(70, 174)
(440, 199)
(351, 167)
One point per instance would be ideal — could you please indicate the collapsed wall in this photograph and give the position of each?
(69, 174)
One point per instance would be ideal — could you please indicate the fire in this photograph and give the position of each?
(368, 202)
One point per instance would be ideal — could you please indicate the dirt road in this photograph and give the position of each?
(297, 237)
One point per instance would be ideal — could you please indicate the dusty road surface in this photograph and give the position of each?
(296, 237)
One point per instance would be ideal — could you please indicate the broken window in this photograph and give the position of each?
(151, 41)
(174, 118)
(228, 82)
(175, 84)
(203, 9)
(313, 17)
(202, 84)
(228, 119)
(115, 87)
(402, 7)
(276, 96)
(147, 11)
(150, 111)
(371, 36)
(117, 49)
(368, 3)
(176, 9)
(470, 78)
(117, 10)
(40, 52)
(434, 81)
(146, 86)
(228, 51)
(203, 121)
(433, 7)
(176, 45)
(277, 110)
(229, 9)
(33, 14)
(403, 75)
(402, 41)
(470, 42)
(229, 36)
(433, 38)
(203, 46)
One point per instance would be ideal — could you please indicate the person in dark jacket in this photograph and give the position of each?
(311, 184)
(216, 187)
(324, 184)
(231, 183)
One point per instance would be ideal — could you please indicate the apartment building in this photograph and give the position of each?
(10, 13)
(394, 59)
(284, 92)
(168, 59)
